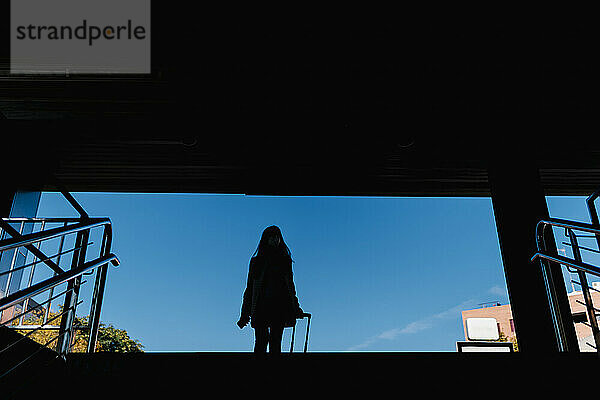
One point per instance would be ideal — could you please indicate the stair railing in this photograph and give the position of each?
(573, 264)
(68, 240)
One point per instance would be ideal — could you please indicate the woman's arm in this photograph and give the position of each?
(247, 302)
(292, 289)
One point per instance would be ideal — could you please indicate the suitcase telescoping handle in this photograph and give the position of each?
(304, 315)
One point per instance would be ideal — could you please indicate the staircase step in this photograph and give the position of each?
(34, 363)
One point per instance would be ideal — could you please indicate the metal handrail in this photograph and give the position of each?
(26, 240)
(569, 225)
(10, 271)
(580, 226)
(28, 311)
(44, 219)
(583, 247)
(82, 228)
(79, 226)
(49, 283)
(590, 269)
(576, 262)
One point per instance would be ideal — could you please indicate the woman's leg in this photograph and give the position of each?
(261, 338)
(275, 339)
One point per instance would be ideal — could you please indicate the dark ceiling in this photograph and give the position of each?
(328, 108)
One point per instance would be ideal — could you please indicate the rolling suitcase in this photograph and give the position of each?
(305, 315)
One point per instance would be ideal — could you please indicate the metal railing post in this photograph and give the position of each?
(562, 340)
(66, 322)
(50, 294)
(98, 294)
(589, 305)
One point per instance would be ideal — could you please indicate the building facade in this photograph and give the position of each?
(506, 326)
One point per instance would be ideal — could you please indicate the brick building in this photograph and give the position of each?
(502, 314)
(17, 309)
(504, 318)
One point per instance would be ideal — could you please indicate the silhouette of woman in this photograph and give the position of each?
(270, 300)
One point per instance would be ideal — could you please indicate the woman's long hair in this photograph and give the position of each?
(264, 249)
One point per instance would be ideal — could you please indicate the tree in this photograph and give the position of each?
(110, 339)
(513, 340)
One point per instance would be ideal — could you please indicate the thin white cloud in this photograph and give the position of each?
(415, 326)
(497, 290)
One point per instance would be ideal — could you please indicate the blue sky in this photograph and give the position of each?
(378, 274)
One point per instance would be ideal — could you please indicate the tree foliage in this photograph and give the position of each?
(110, 339)
(512, 339)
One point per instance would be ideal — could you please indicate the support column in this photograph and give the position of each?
(519, 203)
